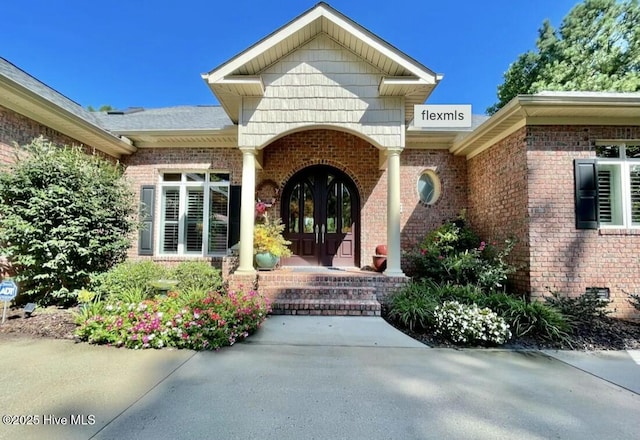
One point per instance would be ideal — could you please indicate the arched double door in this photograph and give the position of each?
(321, 212)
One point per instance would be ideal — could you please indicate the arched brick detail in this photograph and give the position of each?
(351, 154)
(329, 162)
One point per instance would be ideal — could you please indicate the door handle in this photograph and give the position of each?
(317, 232)
(323, 231)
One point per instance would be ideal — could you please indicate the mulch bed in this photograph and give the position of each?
(50, 322)
(603, 334)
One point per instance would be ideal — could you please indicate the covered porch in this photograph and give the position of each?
(322, 71)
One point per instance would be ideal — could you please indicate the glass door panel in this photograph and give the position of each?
(347, 215)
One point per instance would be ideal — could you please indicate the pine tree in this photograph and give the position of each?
(596, 48)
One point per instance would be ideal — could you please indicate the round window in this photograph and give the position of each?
(429, 187)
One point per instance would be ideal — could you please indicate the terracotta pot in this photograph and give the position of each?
(379, 263)
(381, 249)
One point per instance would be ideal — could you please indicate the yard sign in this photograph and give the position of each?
(8, 291)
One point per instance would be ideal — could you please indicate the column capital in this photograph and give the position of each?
(249, 150)
(393, 151)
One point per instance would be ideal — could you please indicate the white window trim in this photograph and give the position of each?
(625, 168)
(437, 187)
(182, 186)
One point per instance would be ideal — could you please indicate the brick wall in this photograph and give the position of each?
(524, 187)
(350, 154)
(563, 258)
(418, 218)
(144, 166)
(497, 191)
(18, 129)
(360, 161)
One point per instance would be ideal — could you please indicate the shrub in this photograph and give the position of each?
(582, 310)
(453, 253)
(64, 216)
(453, 237)
(470, 324)
(536, 320)
(634, 300)
(207, 321)
(129, 281)
(413, 305)
(464, 293)
(198, 275)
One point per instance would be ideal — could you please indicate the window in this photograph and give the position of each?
(194, 213)
(618, 184)
(429, 187)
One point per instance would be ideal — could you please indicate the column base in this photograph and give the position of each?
(245, 271)
(394, 273)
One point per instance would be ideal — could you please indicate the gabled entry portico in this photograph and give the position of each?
(322, 71)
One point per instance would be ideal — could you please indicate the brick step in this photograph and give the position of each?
(302, 280)
(325, 306)
(320, 292)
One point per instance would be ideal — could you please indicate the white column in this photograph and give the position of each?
(247, 210)
(393, 213)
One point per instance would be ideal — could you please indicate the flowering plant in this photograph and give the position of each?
(267, 234)
(197, 321)
(470, 324)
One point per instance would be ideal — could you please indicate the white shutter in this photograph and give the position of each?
(218, 218)
(634, 180)
(194, 220)
(170, 218)
(604, 196)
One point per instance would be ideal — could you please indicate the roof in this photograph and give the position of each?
(26, 95)
(551, 108)
(431, 138)
(183, 126)
(194, 117)
(240, 76)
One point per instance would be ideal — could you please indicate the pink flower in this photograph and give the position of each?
(261, 208)
(482, 246)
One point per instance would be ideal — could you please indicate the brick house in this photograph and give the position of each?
(317, 120)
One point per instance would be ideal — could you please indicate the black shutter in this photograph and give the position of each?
(145, 237)
(586, 193)
(234, 214)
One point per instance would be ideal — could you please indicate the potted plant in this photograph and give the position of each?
(380, 258)
(268, 242)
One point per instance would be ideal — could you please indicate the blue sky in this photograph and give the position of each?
(151, 53)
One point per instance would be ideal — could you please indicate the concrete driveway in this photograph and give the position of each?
(311, 378)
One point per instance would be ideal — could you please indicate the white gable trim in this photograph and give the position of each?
(402, 75)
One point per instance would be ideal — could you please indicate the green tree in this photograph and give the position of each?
(64, 216)
(596, 48)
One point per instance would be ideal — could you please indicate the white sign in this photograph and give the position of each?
(8, 290)
(442, 116)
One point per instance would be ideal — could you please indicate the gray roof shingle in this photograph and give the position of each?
(187, 117)
(19, 76)
(137, 119)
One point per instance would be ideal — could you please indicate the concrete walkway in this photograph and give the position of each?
(315, 377)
